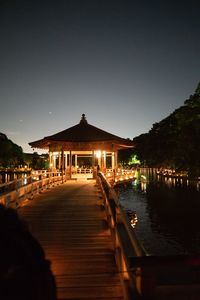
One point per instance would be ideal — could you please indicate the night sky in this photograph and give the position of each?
(125, 64)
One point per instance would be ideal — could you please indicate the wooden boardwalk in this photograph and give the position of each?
(70, 224)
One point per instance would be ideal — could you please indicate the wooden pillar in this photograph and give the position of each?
(59, 159)
(50, 160)
(116, 160)
(62, 164)
(93, 165)
(104, 161)
(99, 160)
(113, 160)
(76, 162)
(70, 164)
(53, 161)
(66, 162)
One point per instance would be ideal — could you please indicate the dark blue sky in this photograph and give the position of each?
(125, 64)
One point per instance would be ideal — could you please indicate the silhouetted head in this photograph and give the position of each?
(24, 271)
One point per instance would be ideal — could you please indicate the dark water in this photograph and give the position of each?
(6, 177)
(10, 181)
(168, 212)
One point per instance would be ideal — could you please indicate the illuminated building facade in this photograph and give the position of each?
(81, 150)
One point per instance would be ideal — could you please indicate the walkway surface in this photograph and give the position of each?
(70, 224)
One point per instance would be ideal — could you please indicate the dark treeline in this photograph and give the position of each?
(174, 142)
(12, 156)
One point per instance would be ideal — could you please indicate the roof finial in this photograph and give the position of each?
(83, 119)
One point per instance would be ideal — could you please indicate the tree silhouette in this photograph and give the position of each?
(174, 142)
(11, 155)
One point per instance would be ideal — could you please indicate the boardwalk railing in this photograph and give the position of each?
(144, 276)
(125, 242)
(120, 175)
(14, 193)
(82, 173)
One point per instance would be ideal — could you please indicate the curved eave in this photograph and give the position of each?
(45, 143)
(41, 144)
(126, 146)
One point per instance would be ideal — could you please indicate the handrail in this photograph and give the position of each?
(35, 184)
(125, 242)
(122, 216)
(82, 171)
(17, 183)
(143, 275)
(120, 176)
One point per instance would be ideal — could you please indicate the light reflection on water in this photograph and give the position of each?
(10, 176)
(11, 180)
(168, 211)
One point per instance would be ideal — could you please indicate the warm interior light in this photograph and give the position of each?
(98, 154)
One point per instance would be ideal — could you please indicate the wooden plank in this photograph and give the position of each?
(87, 280)
(89, 292)
(71, 225)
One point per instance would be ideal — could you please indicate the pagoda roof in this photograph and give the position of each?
(83, 132)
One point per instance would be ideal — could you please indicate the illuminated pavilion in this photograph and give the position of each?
(81, 149)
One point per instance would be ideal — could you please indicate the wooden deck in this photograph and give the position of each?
(71, 226)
